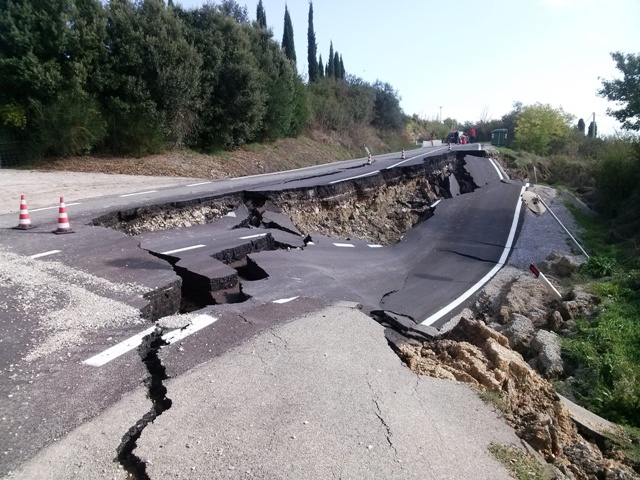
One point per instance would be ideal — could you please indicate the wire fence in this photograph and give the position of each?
(11, 154)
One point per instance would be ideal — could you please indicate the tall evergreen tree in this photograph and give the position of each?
(342, 72)
(336, 65)
(581, 126)
(312, 48)
(330, 71)
(288, 44)
(320, 68)
(593, 129)
(261, 15)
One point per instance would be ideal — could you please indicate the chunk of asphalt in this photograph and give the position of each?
(279, 221)
(405, 325)
(285, 240)
(206, 276)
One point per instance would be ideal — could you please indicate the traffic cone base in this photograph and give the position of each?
(24, 222)
(63, 220)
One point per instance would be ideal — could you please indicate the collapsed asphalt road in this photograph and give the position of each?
(257, 258)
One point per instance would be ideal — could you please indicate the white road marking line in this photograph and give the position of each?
(196, 184)
(348, 245)
(503, 258)
(497, 169)
(374, 246)
(231, 214)
(353, 178)
(51, 208)
(139, 193)
(436, 202)
(198, 323)
(119, 349)
(285, 300)
(44, 254)
(253, 236)
(310, 243)
(177, 250)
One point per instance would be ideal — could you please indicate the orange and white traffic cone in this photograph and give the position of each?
(63, 219)
(402, 156)
(24, 223)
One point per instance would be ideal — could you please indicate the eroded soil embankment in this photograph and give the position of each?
(378, 208)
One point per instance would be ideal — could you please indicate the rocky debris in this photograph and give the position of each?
(562, 265)
(474, 353)
(548, 360)
(379, 208)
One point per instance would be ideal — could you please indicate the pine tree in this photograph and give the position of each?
(312, 48)
(330, 71)
(320, 68)
(287, 37)
(336, 65)
(261, 15)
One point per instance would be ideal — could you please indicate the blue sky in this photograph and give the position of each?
(471, 58)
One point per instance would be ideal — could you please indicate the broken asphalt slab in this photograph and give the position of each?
(322, 395)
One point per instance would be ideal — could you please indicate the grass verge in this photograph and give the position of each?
(521, 465)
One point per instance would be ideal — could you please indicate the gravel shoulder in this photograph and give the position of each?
(42, 189)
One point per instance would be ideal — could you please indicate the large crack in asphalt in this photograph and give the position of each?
(157, 393)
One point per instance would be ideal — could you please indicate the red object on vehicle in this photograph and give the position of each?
(464, 140)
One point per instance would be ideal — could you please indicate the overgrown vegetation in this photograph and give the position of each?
(521, 465)
(137, 77)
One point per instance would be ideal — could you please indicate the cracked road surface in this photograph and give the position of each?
(319, 397)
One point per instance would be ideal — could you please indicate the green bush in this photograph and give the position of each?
(71, 125)
(599, 267)
(134, 130)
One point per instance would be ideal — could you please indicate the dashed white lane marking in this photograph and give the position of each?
(417, 156)
(198, 323)
(139, 193)
(374, 246)
(436, 203)
(44, 254)
(196, 184)
(497, 169)
(193, 247)
(353, 178)
(310, 243)
(253, 236)
(347, 245)
(503, 258)
(119, 349)
(285, 300)
(51, 208)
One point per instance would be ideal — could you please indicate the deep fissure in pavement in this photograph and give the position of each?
(379, 208)
(157, 393)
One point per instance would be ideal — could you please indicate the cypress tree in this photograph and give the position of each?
(581, 126)
(261, 15)
(330, 70)
(287, 37)
(342, 72)
(320, 68)
(312, 48)
(336, 66)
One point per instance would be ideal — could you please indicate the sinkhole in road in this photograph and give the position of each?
(378, 208)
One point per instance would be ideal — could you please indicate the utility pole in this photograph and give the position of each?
(594, 124)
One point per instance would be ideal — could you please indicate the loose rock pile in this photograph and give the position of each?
(509, 345)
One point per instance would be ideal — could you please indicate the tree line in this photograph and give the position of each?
(138, 76)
